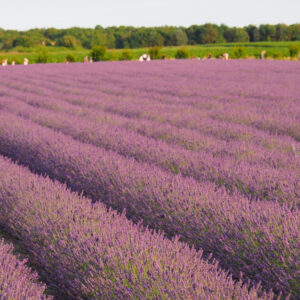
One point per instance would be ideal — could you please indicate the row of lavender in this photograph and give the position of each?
(210, 128)
(221, 129)
(83, 251)
(81, 94)
(256, 179)
(199, 82)
(259, 238)
(16, 279)
(221, 138)
(250, 103)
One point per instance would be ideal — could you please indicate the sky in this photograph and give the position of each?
(23, 15)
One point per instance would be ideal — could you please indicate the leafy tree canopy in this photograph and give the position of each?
(136, 37)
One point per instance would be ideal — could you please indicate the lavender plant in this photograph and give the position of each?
(84, 251)
(17, 281)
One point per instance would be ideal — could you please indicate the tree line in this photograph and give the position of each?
(133, 37)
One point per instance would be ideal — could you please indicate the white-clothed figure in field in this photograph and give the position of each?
(262, 54)
(4, 63)
(144, 57)
(91, 60)
(13, 63)
(26, 61)
(86, 59)
(226, 56)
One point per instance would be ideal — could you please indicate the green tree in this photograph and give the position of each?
(240, 35)
(208, 34)
(236, 35)
(53, 33)
(192, 34)
(156, 39)
(253, 33)
(110, 40)
(293, 32)
(222, 30)
(281, 32)
(180, 37)
(22, 41)
(7, 43)
(267, 32)
(131, 37)
(159, 40)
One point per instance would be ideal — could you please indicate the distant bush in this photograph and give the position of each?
(43, 57)
(70, 57)
(155, 52)
(182, 53)
(239, 52)
(294, 50)
(98, 53)
(125, 55)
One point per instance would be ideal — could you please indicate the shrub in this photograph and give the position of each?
(294, 50)
(277, 55)
(111, 56)
(155, 52)
(239, 52)
(18, 60)
(125, 55)
(43, 57)
(70, 57)
(182, 53)
(98, 53)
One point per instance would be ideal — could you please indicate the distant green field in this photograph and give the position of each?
(275, 50)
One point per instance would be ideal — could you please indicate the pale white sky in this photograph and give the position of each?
(22, 15)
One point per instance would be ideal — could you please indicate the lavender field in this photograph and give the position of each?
(159, 180)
